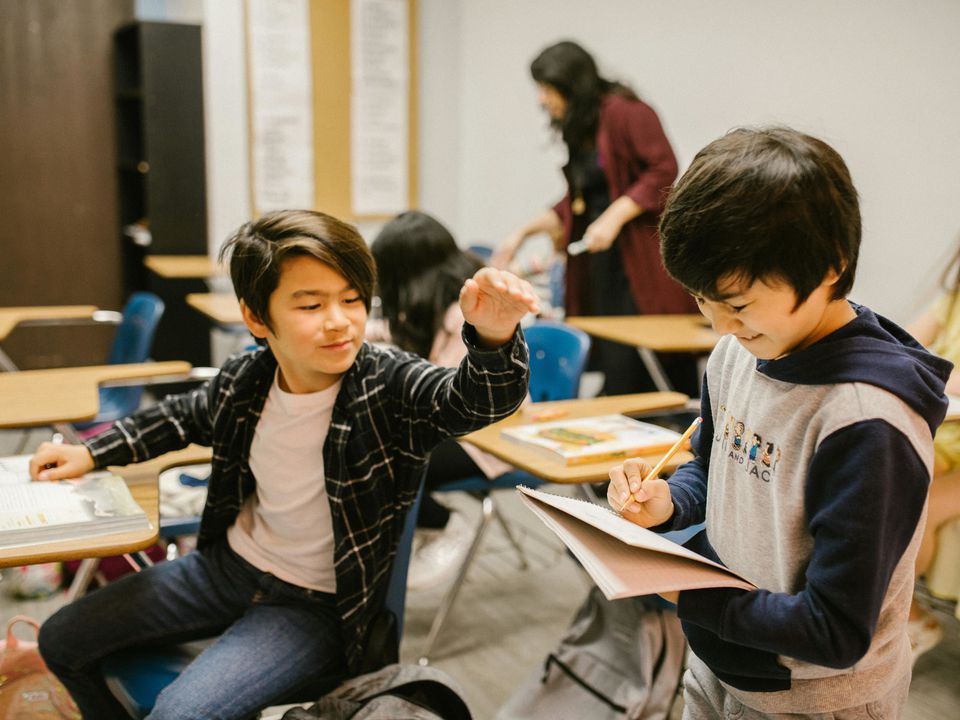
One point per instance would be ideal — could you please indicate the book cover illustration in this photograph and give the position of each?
(593, 439)
(36, 512)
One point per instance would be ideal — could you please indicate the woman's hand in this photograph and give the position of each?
(651, 503)
(54, 461)
(602, 232)
(494, 301)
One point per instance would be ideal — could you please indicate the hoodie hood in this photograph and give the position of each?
(871, 349)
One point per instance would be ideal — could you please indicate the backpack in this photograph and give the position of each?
(28, 691)
(619, 659)
(395, 692)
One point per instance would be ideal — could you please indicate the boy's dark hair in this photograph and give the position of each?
(259, 248)
(420, 270)
(763, 203)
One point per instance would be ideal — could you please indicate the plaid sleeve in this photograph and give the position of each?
(171, 424)
(437, 403)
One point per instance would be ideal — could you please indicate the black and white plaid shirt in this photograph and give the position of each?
(392, 409)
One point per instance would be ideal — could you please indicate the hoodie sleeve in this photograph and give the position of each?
(865, 494)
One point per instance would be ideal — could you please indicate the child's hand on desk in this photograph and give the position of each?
(651, 503)
(494, 301)
(53, 461)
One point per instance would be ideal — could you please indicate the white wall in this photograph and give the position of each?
(878, 79)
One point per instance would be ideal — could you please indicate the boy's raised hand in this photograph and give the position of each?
(53, 461)
(651, 503)
(494, 301)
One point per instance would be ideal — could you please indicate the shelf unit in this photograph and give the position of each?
(158, 98)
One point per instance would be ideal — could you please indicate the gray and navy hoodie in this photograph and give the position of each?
(811, 474)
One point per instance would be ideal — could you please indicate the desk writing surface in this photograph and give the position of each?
(489, 440)
(660, 333)
(66, 395)
(222, 308)
(10, 317)
(183, 266)
(142, 479)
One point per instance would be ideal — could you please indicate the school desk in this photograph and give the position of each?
(142, 478)
(221, 308)
(183, 266)
(651, 334)
(489, 440)
(11, 317)
(67, 395)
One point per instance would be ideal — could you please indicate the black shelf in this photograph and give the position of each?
(158, 98)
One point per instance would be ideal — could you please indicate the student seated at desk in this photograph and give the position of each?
(822, 503)
(319, 444)
(420, 270)
(939, 556)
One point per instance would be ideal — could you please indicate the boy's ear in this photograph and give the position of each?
(257, 328)
(832, 276)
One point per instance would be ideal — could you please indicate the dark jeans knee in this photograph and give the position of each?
(54, 638)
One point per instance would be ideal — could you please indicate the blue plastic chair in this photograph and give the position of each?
(484, 252)
(131, 344)
(136, 677)
(558, 355)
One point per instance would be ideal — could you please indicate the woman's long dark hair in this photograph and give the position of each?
(420, 271)
(571, 71)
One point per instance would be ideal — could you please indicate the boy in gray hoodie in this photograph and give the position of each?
(821, 499)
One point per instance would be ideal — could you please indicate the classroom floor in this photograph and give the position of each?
(506, 620)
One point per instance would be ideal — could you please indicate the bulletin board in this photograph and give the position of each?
(362, 170)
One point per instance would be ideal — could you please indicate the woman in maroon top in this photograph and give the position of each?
(619, 169)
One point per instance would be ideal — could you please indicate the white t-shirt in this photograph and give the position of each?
(284, 528)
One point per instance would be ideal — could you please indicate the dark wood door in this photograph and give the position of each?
(58, 188)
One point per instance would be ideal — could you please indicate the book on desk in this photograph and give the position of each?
(38, 512)
(624, 559)
(592, 439)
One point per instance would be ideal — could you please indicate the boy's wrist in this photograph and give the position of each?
(491, 341)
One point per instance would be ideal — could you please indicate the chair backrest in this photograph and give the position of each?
(396, 599)
(131, 344)
(558, 355)
(134, 336)
(484, 252)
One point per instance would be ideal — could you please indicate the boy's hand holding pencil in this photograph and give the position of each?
(638, 493)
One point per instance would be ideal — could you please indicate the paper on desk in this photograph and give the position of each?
(624, 559)
(14, 469)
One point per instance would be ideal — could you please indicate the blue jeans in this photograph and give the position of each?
(275, 643)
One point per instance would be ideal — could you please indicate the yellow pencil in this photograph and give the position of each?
(666, 458)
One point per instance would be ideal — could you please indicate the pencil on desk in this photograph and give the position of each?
(665, 459)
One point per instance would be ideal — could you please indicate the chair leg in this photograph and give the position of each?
(451, 595)
(83, 578)
(513, 541)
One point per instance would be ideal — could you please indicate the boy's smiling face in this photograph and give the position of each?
(764, 317)
(318, 322)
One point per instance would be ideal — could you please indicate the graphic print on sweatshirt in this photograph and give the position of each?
(757, 456)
